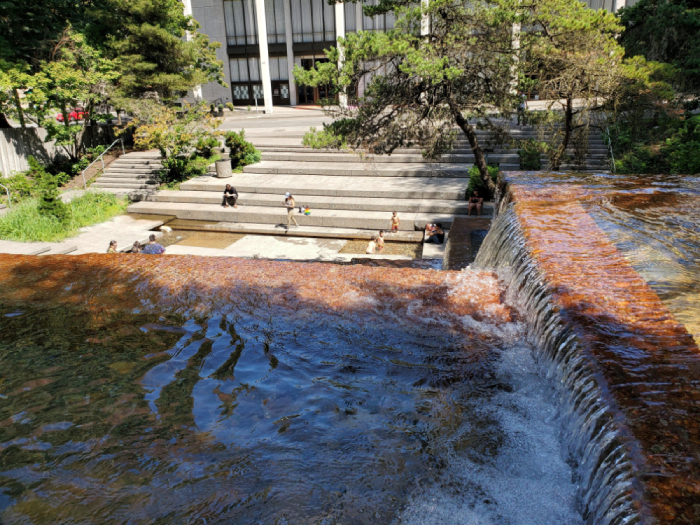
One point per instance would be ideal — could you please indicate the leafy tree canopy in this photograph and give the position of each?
(666, 31)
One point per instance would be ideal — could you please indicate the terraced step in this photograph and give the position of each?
(126, 185)
(362, 220)
(301, 231)
(316, 202)
(312, 156)
(129, 175)
(336, 186)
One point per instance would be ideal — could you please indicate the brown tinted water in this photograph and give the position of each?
(167, 389)
(620, 259)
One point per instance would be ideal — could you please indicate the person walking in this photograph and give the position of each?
(289, 204)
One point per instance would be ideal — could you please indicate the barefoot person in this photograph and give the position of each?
(436, 235)
(395, 222)
(371, 245)
(230, 195)
(380, 241)
(289, 204)
(112, 247)
(475, 201)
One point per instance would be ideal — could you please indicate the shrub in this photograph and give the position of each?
(229, 105)
(50, 203)
(242, 152)
(25, 223)
(475, 182)
(205, 145)
(530, 156)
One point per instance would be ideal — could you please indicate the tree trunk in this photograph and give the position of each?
(18, 103)
(479, 158)
(568, 124)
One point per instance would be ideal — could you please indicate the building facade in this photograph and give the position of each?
(262, 40)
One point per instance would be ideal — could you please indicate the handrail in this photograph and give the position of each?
(610, 149)
(9, 201)
(102, 159)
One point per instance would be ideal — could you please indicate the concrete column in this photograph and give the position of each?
(340, 33)
(264, 55)
(289, 37)
(425, 19)
(197, 90)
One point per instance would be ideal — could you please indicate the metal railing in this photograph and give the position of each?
(101, 157)
(610, 149)
(9, 202)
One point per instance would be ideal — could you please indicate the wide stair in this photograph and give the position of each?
(350, 196)
(134, 174)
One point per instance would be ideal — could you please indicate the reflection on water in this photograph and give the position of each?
(655, 222)
(263, 392)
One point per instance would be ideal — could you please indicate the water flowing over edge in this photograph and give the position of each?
(609, 491)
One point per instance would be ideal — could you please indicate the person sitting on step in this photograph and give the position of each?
(475, 201)
(437, 235)
(230, 194)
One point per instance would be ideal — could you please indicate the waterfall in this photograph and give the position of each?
(609, 491)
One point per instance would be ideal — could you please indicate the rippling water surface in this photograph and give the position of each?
(188, 390)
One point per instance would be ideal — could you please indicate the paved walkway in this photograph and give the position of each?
(125, 229)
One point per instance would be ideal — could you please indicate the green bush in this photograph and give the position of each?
(50, 203)
(205, 145)
(475, 182)
(662, 146)
(241, 151)
(183, 167)
(25, 222)
(530, 156)
(229, 105)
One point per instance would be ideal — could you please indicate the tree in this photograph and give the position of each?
(576, 61)
(666, 31)
(78, 76)
(418, 87)
(160, 50)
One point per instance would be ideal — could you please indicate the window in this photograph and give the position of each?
(274, 19)
(278, 68)
(235, 22)
(378, 22)
(350, 18)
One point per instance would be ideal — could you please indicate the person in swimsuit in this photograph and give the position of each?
(380, 241)
(395, 222)
(475, 201)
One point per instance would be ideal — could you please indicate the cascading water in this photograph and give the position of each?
(628, 373)
(606, 491)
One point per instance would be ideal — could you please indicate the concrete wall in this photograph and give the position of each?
(17, 145)
(210, 15)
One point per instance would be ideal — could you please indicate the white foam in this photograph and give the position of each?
(527, 482)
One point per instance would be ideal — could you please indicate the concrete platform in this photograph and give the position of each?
(301, 231)
(322, 202)
(359, 169)
(365, 220)
(412, 157)
(339, 186)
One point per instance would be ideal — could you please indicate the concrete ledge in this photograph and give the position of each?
(434, 251)
(302, 231)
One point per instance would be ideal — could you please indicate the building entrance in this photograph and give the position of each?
(308, 94)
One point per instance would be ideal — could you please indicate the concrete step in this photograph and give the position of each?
(120, 169)
(336, 186)
(301, 231)
(324, 202)
(424, 169)
(344, 158)
(120, 175)
(132, 179)
(362, 220)
(125, 185)
(131, 166)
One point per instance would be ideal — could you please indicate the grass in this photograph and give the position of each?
(24, 222)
